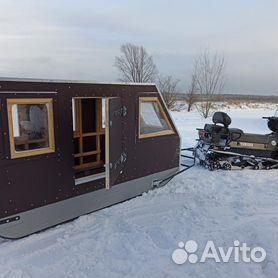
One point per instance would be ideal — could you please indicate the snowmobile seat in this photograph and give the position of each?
(238, 135)
(254, 138)
(218, 129)
(235, 133)
(221, 118)
(219, 134)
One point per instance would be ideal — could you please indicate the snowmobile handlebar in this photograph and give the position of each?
(272, 123)
(268, 117)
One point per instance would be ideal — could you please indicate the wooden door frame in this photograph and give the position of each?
(101, 132)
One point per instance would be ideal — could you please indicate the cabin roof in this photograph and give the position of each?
(13, 79)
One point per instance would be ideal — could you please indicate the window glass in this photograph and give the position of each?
(150, 116)
(153, 120)
(73, 102)
(31, 126)
(103, 112)
(15, 120)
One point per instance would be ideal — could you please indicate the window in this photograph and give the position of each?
(30, 127)
(153, 120)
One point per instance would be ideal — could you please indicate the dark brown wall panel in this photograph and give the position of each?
(32, 182)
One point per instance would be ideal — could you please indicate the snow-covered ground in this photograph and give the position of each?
(137, 237)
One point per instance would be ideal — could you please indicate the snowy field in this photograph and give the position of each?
(137, 237)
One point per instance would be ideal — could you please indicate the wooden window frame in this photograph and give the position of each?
(50, 120)
(166, 118)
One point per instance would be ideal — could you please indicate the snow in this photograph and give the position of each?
(138, 237)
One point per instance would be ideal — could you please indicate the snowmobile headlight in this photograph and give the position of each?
(273, 143)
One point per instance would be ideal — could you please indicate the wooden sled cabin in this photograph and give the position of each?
(68, 148)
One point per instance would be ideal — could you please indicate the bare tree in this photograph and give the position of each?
(168, 87)
(209, 74)
(135, 64)
(192, 89)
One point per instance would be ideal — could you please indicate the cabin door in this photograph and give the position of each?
(115, 157)
(89, 139)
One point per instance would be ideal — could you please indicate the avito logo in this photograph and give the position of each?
(239, 252)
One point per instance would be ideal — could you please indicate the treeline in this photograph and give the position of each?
(233, 98)
(205, 87)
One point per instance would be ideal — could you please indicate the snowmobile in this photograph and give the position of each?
(222, 147)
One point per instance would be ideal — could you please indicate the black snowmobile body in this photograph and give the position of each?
(220, 146)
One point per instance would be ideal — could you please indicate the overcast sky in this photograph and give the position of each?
(79, 39)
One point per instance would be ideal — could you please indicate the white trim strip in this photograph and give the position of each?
(70, 81)
(89, 178)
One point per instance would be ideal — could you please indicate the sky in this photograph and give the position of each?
(80, 39)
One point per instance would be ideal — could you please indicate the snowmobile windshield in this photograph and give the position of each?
(273, 122)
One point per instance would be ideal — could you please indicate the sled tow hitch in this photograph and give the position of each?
(187, 153)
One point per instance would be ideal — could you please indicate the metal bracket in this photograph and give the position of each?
(121, 160)
(121, 112)
(9, 220)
